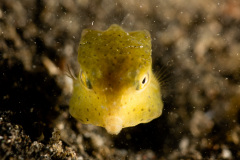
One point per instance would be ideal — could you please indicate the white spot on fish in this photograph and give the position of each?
(103, 107)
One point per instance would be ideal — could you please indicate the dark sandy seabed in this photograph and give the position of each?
(196, 42)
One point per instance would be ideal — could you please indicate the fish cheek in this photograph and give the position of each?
(142, 107)
(85, 106)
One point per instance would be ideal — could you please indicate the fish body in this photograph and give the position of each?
(116, 87)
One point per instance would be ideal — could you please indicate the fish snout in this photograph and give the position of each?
(113, 124)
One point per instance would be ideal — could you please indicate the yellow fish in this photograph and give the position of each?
(116, 87)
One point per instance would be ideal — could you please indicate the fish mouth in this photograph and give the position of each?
(113, 124)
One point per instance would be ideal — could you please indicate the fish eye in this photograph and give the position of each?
(143, 82)
(86, 82)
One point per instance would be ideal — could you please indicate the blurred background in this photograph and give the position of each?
(196, 45)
